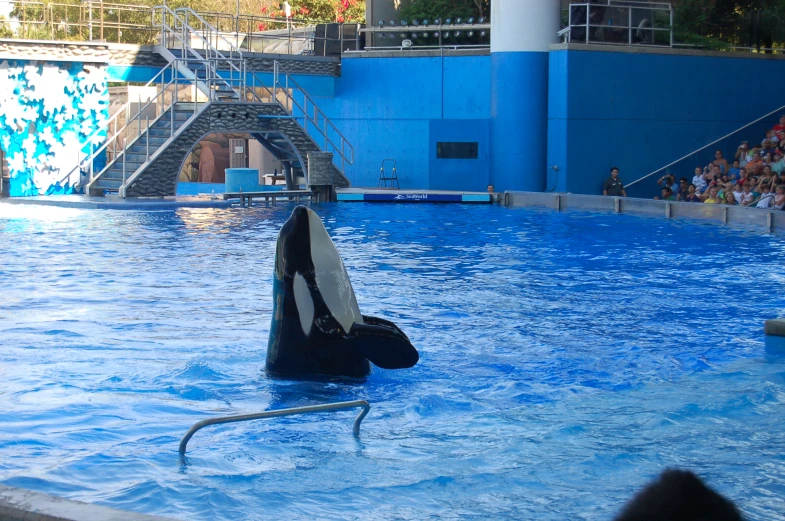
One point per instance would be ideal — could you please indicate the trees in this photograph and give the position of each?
(723, 23)
(5, 29)
(342, 11)
(443, 9)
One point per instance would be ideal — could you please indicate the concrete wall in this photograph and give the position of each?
(642, 110)
(398, 107)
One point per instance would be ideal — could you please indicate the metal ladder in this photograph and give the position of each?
(392, 177)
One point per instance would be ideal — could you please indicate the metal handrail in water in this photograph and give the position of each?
(280, 412)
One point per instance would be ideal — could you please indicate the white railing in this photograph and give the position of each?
(620, 22)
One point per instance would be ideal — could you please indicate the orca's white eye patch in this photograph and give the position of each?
(302, 297)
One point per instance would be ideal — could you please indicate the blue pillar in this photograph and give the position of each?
(521, 34)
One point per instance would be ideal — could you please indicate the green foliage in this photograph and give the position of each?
(724, 23)
(443, 9)
(5, 30)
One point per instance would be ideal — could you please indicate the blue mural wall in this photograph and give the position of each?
(642, 111)
(48, 114)
(399, 108)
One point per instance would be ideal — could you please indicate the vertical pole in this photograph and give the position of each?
(671, 25)
(629, 25)
(588, 16)
(102, 19)
(125, 153)
(147, 134)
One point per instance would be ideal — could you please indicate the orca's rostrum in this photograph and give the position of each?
(317, 327)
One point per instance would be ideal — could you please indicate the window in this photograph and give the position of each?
(457, 150)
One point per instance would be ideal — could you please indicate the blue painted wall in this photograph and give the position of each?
(399, 108)
(642, 111)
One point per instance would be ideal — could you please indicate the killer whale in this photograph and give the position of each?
(317, 327)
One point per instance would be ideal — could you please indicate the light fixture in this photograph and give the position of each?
(392, 23)
(458, 21)
(436, 34)
(457, 34)
(414, 36)
(470, 34)
(381, 23)
(438, 21)
(425, 22)
(415, 23)
(404, 23)
(448, 21)
(470, 21)
(481, 20)
(483, 34)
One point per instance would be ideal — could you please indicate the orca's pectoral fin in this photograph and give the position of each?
(384, 346)
(376, 321)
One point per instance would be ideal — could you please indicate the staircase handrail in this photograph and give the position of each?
(773, 112)
(210, 49)
(113, 119)
(317, 112)
(137, 120)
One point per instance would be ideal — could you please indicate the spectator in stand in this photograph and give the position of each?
(683, 188)
(737, 193)
(779, 199)
(767, 148)
(712, 198)
(742, 153)
(698, 181)
(720, 161)
(668, 181)
(781, 180)
(778, 165)
(755, 166)
(667, 195)
(730, 199)
(613, 185)
(724, 189)
(742, 177)
(692, 195)
(768, 175)
(733, 173)
(781, 125)
(766, 197)
(746, 195)
(780, 140)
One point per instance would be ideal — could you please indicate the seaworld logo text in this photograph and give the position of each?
(411, 196)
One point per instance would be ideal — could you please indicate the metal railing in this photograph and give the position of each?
(620, 22)
(426, 36)
(138, 126)
(115, 22)
(340, 406)
(727, 144)
(130, 23)
(309, 112)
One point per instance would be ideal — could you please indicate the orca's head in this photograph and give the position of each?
(305, 253)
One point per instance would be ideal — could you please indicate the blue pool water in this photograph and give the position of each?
(566, 359)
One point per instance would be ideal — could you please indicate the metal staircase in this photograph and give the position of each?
(206, 70)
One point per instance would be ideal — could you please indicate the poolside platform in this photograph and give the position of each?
(383, 195)
(268, 196)
(118, 203)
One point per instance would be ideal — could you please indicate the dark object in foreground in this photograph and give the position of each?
(678, 495)
(317, 327)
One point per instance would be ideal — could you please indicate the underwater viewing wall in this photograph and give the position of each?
(48, 110)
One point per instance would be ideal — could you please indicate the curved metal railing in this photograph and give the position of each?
(366, 407)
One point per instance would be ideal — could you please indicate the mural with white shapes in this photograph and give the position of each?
(50, 114)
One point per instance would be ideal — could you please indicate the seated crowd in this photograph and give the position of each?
(755, 178)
